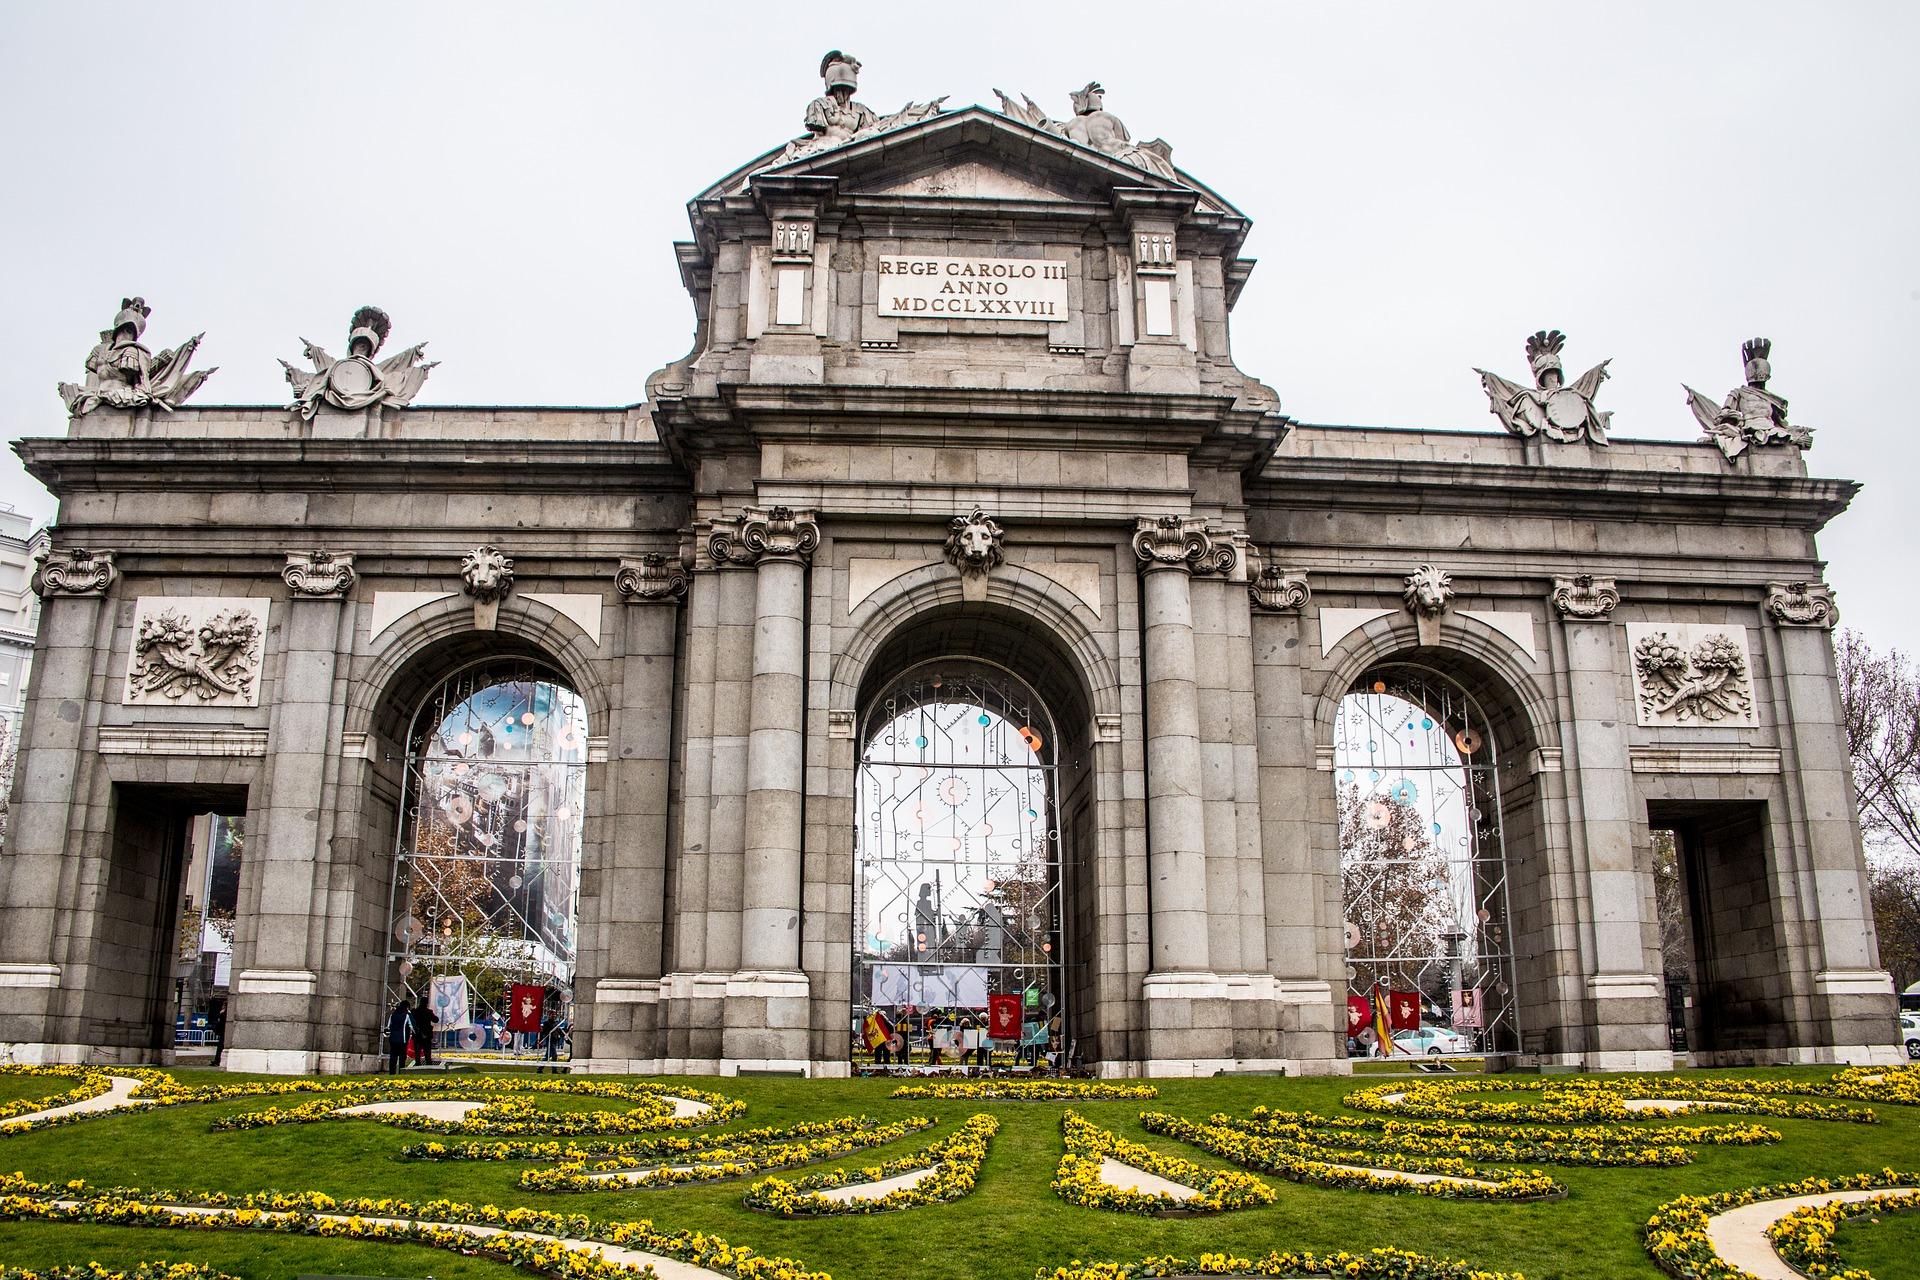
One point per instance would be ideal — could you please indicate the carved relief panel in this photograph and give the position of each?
(196, 651)
(1691, 675)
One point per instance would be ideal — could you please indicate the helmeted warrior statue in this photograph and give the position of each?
(356, 381)
(834, 118)
(1094, 126)
(1752, 414)
(122, 374)
(1549, 407)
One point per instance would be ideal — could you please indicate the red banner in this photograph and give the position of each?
(876, 1030)
(1003, 1017)
(524, 1003)
(1358, 1011)
(1403, 1010)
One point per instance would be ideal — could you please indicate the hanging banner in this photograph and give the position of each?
(450, 1002)
(1382, 1022)
(524, 1002)
(1405, 1015)
(1466, 1007)
(1357, 1013)
(1003, 1017)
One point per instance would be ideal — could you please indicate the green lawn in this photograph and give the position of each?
(1010, 1226)
(12, 1087)
(1888, 1247)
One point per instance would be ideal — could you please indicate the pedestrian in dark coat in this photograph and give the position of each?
(423, 1021)
(399, 1027)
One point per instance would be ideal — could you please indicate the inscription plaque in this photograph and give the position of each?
(973, 288)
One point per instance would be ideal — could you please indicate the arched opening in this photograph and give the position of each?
(974, 831)
(1431, 936)
(483, 912)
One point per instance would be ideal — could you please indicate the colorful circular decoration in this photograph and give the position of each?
(1379, 816)
(952, 789)
(1468, 740)
(1033, 738)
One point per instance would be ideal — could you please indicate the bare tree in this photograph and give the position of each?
(1895, 888)
(1395, 879)
(1880, 701)
(1676, 948)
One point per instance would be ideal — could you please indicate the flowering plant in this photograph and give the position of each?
(1676, 1235)
(1080, 1180)
(1026, 1090)
(951, 1167)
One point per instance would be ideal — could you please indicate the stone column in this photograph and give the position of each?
(1854, 1000)
(767, 997)
(632, 884)
(270, 1026)
(1625, 993)
(1186, 1004)
(72, 585)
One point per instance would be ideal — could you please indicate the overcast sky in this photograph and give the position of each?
(1429, 184)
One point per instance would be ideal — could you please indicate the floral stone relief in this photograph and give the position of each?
(196, 651)
(1691, 674)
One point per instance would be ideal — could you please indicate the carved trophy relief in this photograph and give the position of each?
(1751, 415)
(357, 381)
(1550, 407)
(1689, 674)
(835, 118)
(1094, 126)
(196, 651)
(123, 374)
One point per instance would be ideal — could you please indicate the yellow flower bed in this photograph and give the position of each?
(157, 1270)
(955, 1163)
(673, 1147)
(991, 1090)
(89, 1082)
(510, 1108)
(1588, 1100)
(1078, 1179)
(1376, 1264)
(723, 1159)
(1676, 1235)
(300, 1213)
(1273, 1155)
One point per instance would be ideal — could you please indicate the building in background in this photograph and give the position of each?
(19, 612)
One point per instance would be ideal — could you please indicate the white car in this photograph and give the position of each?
(1432, 1041)
(1910, 1033)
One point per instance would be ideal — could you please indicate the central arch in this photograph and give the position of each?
(974, 824)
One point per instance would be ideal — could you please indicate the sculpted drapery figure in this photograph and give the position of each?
(356, 381)
(834, 118)
(1094, 126)
(1751, 415)
(1549, 407)
(122, 374)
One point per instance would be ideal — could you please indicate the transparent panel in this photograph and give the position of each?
(957, 889)
(487, 873)
(1423, 867)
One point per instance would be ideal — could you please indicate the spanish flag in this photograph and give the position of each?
(876, 1031)
(1382, 1021)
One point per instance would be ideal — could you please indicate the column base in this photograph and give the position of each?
(767, 1025)
(44, 1053)
(626, 1020)
(1189, 1024)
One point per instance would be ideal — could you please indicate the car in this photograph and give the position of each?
(1432, 1041)
(1910, 1033)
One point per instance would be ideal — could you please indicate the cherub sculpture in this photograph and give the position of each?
(1549, 407)
(122, 374)
(834, 118)
(1094, 126)
(1752, 414)
(356, 381)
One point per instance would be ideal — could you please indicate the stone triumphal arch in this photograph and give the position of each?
(955, 628)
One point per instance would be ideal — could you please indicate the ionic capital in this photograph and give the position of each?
(72, 571)
(759, 534)
(652, 578)
(319, 575)
(1277, 590)
(1181, 542)
(1585, 598)
(1802, 604)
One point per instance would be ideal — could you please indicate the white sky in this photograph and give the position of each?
(1429, 184)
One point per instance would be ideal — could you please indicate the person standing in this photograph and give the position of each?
(219, 1030)
(423, 1021)
(399, 1027)
(553, 1031)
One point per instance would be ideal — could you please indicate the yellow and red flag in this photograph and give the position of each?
(1382, 1021)
(876, 1031)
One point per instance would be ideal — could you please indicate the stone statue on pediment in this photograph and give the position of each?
(834, 119)
(1094, 126)
(1550, 407)
(123, 374)
(356, 382)
(1751, 415)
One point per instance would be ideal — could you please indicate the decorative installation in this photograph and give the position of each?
(652, 577)
(122, 374)
(1096, 127)
(1694, 674)
(834, 119)
(1185, 542)
(319, 575)
(1278, 590)
(195, 651)
(1751, 415)
(72, 571)
(1585, 598)
(1549, 407)
(356, 382)
(1800, 604)
(756, 534)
